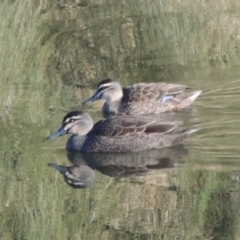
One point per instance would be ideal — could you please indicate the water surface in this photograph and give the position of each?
(52, 57)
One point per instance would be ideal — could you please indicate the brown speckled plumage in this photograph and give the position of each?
(142, 98)
(119, 133)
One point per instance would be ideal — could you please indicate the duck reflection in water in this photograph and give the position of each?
(76, 176)
(122, 165)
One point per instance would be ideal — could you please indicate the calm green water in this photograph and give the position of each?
(52, 54)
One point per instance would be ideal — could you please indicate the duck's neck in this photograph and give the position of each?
(111, 106)
(75, 142)
(113, 98)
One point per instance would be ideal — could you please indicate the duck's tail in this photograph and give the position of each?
(181, 135)
(193, 95)
(186, 99)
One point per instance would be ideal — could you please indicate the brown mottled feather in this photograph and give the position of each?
(119, 133)
(121, 126)
(142, 98)
(146, 98)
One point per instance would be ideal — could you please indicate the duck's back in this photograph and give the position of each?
(147, 98)
(126, 133)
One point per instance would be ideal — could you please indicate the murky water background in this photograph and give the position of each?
(52, 55)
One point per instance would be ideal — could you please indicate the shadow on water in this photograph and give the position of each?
(118, 165)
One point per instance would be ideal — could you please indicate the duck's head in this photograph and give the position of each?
(108, 90)
(76, 123)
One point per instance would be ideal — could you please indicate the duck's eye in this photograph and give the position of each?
(71, 121)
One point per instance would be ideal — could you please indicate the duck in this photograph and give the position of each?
(118, 133)
(142, 98)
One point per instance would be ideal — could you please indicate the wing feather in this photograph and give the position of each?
(126, 126)
(142, 92)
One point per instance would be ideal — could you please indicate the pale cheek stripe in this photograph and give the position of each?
(75, 118)
(104, 85)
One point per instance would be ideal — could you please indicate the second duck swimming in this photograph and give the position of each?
(142, 98)
(119, 133)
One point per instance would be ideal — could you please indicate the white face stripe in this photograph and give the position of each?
(74, 117)
(101, 89)
(67, 173)
(72, 179)
(78, 183)
(104, 85)
(70, 176)
(69, 124)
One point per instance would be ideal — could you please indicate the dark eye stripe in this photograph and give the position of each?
(72, 114)
(102, 88)
(71, 120)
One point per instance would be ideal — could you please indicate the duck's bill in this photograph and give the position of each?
(61, 131)
(90, 100)
(61, 169)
